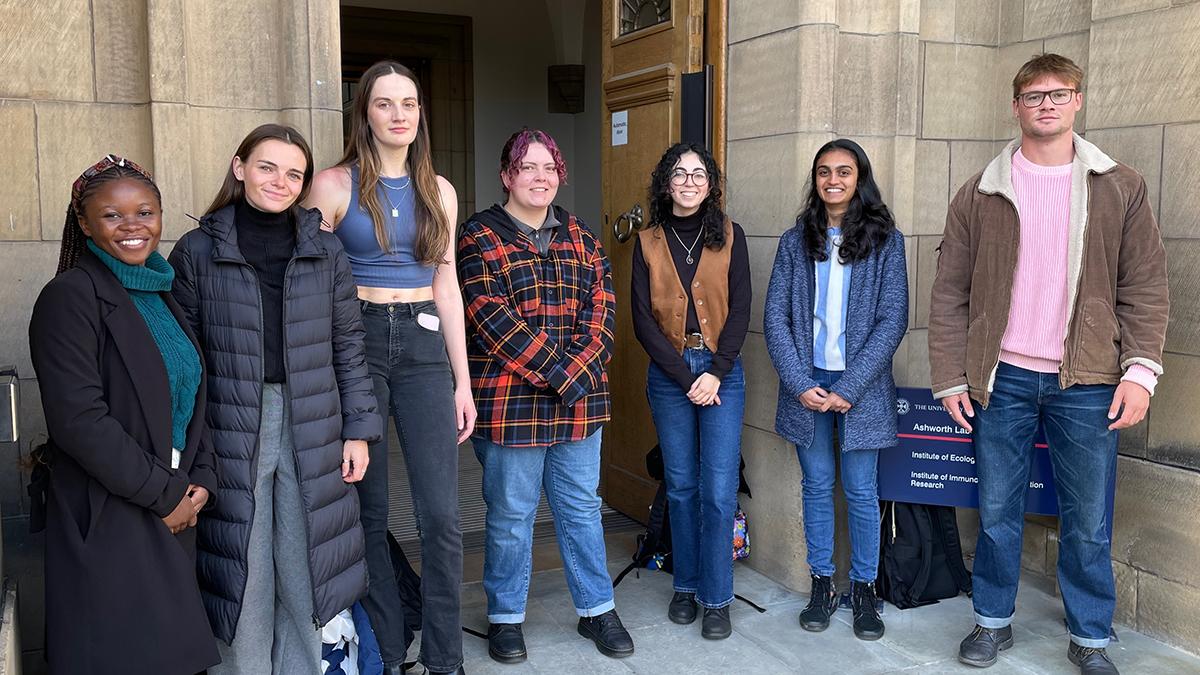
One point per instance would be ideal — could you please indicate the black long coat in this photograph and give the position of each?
(121, 590)
(329, 392)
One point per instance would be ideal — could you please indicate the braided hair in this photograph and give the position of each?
(111, 168)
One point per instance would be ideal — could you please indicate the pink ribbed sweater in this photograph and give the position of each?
(1037, 317)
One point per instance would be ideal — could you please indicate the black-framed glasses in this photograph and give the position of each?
(679, 177)
(1032, 99)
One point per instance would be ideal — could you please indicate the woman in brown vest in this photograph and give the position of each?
(691, 308)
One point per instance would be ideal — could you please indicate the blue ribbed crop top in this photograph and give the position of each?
(399, 267)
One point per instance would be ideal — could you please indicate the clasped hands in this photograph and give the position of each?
(704, 390)
(188, 510)
(818, 399)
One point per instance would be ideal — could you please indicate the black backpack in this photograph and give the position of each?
(920, 558)
(656, 540)
(409, 583)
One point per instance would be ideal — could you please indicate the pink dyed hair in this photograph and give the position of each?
(518, 145)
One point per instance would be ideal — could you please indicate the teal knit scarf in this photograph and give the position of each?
(146, 284)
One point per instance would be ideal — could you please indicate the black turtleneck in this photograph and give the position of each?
(680, 234)
(267, 241)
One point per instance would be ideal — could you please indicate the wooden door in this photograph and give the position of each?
(647, 45)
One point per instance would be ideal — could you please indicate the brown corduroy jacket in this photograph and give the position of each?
(1116, 277)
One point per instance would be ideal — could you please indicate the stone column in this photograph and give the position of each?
(800, 74)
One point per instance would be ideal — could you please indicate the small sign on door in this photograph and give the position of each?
(620, 128)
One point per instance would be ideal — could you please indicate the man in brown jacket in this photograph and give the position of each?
(1049, 307)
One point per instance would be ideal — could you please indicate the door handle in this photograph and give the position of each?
(633, 222)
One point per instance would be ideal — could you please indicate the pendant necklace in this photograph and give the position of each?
(685, 246)
(395, 208)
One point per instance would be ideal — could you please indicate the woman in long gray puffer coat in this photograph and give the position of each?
(290, 404)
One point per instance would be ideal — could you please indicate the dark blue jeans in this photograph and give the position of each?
(702, 449)
(1083, 454)
(411, 373)
(818, 463)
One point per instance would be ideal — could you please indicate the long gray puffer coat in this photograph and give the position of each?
(329, 392)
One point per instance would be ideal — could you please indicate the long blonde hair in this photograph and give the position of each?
(433, 227)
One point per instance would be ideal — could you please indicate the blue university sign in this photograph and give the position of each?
(934, 462)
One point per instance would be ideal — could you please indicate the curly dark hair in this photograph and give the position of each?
(712, 217)
(867, 223)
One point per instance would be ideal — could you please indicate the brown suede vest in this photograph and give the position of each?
(710, 288)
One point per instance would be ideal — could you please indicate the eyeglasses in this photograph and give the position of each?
(679, 177)
(1032, 99)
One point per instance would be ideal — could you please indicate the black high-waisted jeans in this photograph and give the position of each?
(413, 381)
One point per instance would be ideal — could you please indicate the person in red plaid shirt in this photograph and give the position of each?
(538, 291)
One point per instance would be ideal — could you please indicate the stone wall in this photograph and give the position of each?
(924, 86)
(172, 85)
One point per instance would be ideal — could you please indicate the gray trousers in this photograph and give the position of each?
(275, 633)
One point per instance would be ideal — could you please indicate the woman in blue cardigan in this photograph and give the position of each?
(837, 307)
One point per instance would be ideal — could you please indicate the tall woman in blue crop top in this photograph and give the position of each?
(396, 218)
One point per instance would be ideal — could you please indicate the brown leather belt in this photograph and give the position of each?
(693, 341)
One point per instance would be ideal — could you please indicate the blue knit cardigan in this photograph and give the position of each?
(876, 320)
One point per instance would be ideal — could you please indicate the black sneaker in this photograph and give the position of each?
(868, 625)
(682, 609)
(716, 624)
(506, 642)
(822, 603)
(606, 631)
(1091, 661)
(981, 647)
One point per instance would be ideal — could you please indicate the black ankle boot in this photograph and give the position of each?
(868, 625)
(982, 646)
(506, 642)
(606, 631)
(716, 625)
(682, 609)
(1091, 660)
(822, 603)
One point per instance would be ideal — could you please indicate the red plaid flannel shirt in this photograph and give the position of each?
(543, 330)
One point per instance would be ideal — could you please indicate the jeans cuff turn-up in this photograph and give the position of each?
(597, 610)
(1094, 643)
(994, 624)
(506, 618)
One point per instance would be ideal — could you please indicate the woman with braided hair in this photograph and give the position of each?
(130, 462)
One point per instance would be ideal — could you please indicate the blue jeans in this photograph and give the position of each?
(859, 470)
(701, 449)
(1083, 454)
(513, 479)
